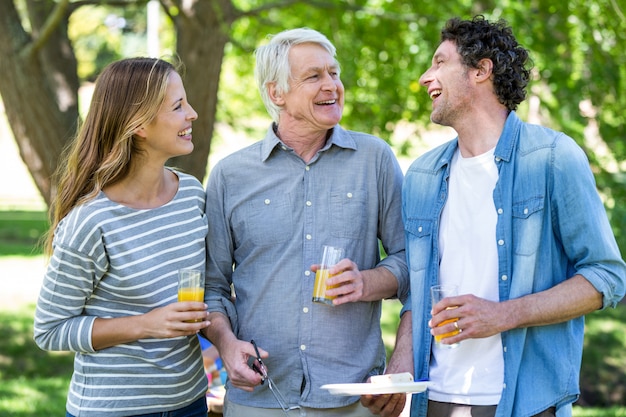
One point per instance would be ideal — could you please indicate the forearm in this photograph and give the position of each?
(115, 331)
(379, 283)
(220, 331)
(173, 320)
(402, 358)
(570, 299)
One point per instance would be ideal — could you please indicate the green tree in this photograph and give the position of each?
(383, 47)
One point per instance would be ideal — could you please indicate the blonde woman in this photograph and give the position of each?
(122, 224)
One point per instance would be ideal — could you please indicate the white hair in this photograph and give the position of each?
(272, 62)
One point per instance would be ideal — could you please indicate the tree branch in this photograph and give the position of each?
(165, 5)
(268, 6)
(618, 11)
(48, 28)
(60, 10)
(118, 3)
(330, 5)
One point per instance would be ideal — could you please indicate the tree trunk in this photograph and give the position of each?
(39, 85)
(203, 29)
(39, 90)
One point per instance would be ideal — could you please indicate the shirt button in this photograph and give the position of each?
(305, 309)
(307, 273)
(419, 229)
(504, 348)
(498, 159)
(501, 242)
(308, 237)
(283, 147)
(302, 347)
(309, 204)
(525, 211)
(504, 277)
(307, 168)
(267, 201)
(500, 211)
(349, 195)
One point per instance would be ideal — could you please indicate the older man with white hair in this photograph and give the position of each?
(271, 209)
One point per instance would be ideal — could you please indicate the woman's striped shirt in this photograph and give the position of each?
(109, 261)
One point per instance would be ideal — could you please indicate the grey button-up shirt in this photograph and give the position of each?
(269, 215)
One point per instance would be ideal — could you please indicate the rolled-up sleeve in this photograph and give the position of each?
(391, 226)
(588, 239)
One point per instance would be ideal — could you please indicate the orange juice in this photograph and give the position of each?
(319, 287)
(191, 294)
(452, 333)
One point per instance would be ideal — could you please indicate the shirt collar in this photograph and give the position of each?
(338, 137)
(504, 148)
(508, 137)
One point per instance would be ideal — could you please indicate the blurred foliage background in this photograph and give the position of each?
(383, 47)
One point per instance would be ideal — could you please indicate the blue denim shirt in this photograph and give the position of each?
(551, 225)
(269, 215)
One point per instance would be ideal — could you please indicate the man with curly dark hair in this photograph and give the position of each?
(507, 212)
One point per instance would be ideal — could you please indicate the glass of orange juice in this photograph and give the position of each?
(190, 286)
(438, 293)
(330, 256)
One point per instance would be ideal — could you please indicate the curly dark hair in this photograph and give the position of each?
(477, 39)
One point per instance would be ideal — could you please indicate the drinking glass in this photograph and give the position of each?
(438, 293)
(331, 255)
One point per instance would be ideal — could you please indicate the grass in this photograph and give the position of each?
(21, 231)
(34, 382)
(603, 372)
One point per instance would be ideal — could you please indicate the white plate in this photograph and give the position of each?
(376, 389)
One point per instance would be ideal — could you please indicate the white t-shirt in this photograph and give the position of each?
(473, 372)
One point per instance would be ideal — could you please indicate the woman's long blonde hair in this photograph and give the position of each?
(127, 95)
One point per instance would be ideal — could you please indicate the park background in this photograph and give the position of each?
(383, 46)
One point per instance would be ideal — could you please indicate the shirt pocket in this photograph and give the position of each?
(419, 234)
(347, 212)
(269, 219)
(527, 225)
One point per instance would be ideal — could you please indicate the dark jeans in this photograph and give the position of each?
(196, 409)
(438, 409)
